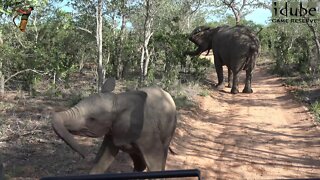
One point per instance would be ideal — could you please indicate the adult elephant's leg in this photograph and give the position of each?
(247, 87)
(138, 162)
(219, 71)
(235, 89)
(229, 77)
(105, 157)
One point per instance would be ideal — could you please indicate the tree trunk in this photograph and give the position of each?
(142, 65)
(81, 62)
(146, 50)
(112, 54)
(1, 80)
(99, 46)
(120, 47)
(54, 78)
(238, 18)
(1, 72)
(317, 43)
(146, 62)
(237, 11)
(147, 33)
(188, 22)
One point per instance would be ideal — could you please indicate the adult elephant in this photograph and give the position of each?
(236, 47)
(140, 122)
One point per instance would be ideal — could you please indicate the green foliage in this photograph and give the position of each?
(182, 101)
(315, 107)
(168, 55)
(51, 47)
(204, 93)
(299, 94)
(200, 66)
(74, 99)
(291, 47)
(169, 48)
(10, 6)
(59, 43)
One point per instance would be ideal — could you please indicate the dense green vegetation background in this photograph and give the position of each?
(142, 41)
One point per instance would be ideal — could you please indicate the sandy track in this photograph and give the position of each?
(264, 135)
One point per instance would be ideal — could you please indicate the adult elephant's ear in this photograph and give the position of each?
(108, 85)
(130, 109)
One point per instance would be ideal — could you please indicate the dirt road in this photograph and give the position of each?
(262, 135)
(248, 136)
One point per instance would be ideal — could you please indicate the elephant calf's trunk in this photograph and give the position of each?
(63, 133)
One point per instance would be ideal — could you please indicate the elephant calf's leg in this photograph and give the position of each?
(235, 89)
(138, 162)
(107, 156)
(101, 149)
(152, 151)
(247, 87)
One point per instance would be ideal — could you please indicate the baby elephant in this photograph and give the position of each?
(140, 122)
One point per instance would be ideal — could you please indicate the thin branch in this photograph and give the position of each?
(228, 3)
(15, 34)
(246, 13)
(17, 73)
(198, 6)
(243, 5)
(232, 6)
(36, 29)
(264, 5)
(148, 37)
(84, 29)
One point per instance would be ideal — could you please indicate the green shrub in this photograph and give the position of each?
(183, 102)
(315, 108)
(204, 93)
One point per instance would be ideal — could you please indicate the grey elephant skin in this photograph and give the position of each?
(236, 47)
(140, 122)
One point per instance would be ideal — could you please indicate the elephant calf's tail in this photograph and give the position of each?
(171, 151)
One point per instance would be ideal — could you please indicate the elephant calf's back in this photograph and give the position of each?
(161, 109)
(159, 101)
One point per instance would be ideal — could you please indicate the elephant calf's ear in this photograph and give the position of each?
(108, 85)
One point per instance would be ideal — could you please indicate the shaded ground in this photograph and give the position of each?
(264, 135)
(246, 136)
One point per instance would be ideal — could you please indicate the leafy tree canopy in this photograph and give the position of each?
(10, 6)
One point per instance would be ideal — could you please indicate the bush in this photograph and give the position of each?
(315, 108)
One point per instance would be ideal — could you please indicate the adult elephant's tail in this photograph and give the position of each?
(251, 57)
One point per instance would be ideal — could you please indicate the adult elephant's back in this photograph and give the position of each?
(237, 47)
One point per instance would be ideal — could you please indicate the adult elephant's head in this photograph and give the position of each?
(202, 37)
(100, 114)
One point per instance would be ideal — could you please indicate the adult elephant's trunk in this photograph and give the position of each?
(200, 39)
(59, 125)
(197, 52)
